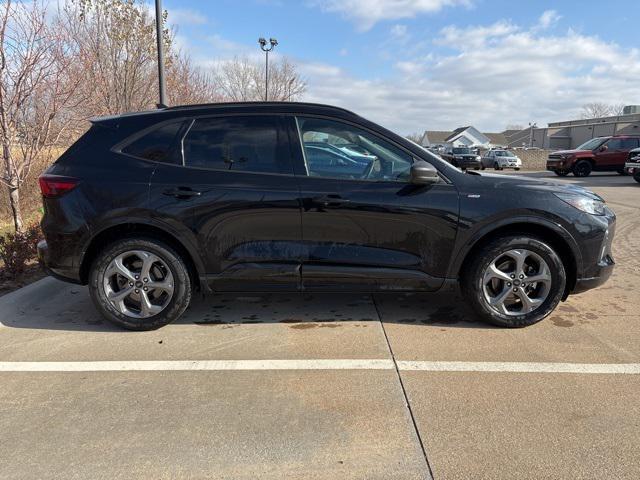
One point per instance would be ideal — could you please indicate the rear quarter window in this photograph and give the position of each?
(158, 145)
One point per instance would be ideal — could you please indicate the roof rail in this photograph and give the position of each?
(256, 103)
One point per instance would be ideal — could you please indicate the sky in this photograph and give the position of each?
(415, 65)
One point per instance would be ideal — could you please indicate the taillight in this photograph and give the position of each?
(56, 185)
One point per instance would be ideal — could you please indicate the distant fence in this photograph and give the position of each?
(533, 159)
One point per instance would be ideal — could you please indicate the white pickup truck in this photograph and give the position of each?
(633, 164)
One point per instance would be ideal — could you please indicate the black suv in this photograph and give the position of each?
(148, 207)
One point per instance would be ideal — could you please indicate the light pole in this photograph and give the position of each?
(161, 84)
(266, 49)
(532, 125)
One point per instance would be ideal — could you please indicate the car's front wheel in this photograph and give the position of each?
(140, 284)
(561, 173)
(582, 168)
(514, 281)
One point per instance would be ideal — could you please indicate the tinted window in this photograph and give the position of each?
(158, 145)
(622, 143)
(236, 143)
(338, 150)
(461, 151)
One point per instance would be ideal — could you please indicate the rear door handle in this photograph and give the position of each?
(330, 200)
(182, 193)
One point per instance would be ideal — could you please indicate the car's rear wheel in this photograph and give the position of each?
(561, 173)
(636, 176)
(140, 284)
(582, 168)
(514, 281)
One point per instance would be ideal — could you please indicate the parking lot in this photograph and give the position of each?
(328, 386)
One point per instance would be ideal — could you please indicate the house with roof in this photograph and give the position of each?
(468, 136)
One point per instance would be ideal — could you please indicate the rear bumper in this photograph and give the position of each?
(61, 273)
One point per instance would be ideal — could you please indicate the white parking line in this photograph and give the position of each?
(331, 364)
(368, 364)
(522, 367)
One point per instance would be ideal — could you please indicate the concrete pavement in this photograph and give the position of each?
(348, 421)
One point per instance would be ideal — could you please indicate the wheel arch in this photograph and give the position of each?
(553, 234)
(133, 229)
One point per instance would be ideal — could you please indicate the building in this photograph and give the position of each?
(466, 137)
(572, 133)
(556, 136)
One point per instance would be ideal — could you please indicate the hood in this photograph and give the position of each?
(540, 184)
(569, 152)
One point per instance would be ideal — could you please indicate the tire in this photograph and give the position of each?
(496, 166)
(482, 167)
(473, 281)
(636, 177)
(582, 168)
(167, 269)
(622, 172)
(517, 169)
(561, 173)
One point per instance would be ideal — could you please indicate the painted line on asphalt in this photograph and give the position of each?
(330, 364)
(212, 365)
(522, 367)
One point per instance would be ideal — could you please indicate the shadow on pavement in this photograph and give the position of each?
(53, 305)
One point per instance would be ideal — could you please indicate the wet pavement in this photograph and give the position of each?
(341, 402)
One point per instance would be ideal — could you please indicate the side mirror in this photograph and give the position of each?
(603, 148)
(423, 173)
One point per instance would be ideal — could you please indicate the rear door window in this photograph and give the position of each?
(159, 145)
(238, 143)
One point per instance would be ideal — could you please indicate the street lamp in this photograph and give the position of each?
(161, 83)
(266, 49)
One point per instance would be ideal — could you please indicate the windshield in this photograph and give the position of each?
(592, 144)
(461, 151)
(504, 153)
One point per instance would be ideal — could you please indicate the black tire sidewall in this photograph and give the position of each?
(182, 284)
(577, 171)
(473, 289)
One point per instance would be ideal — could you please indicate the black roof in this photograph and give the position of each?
(275, 107)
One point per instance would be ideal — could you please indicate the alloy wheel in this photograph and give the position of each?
(138, 284)
(516, 282)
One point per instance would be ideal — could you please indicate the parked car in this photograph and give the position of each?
(501, 159)
(148, 208)
(633, 164)
(600, 154)
(462, 157)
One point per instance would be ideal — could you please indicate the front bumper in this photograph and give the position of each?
(558, 165)
(599, 268)
(632, 167)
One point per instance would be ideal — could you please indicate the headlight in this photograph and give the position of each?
(478, 157)
(583, 203)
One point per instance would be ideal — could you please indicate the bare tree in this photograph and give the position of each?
(37, 82)
(597, 110)
(189, 84)
(241, 80)
(415, 137)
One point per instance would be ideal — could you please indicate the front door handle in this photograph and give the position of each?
(330, 200)
(182, 193)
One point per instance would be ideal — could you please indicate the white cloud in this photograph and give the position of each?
(366, 13)
(493, 75)
(182, 17)
(398, 31)
(548, 19)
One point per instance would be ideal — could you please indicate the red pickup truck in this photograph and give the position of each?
(601, 154)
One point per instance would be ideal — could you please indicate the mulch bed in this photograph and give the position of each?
(32, 273)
